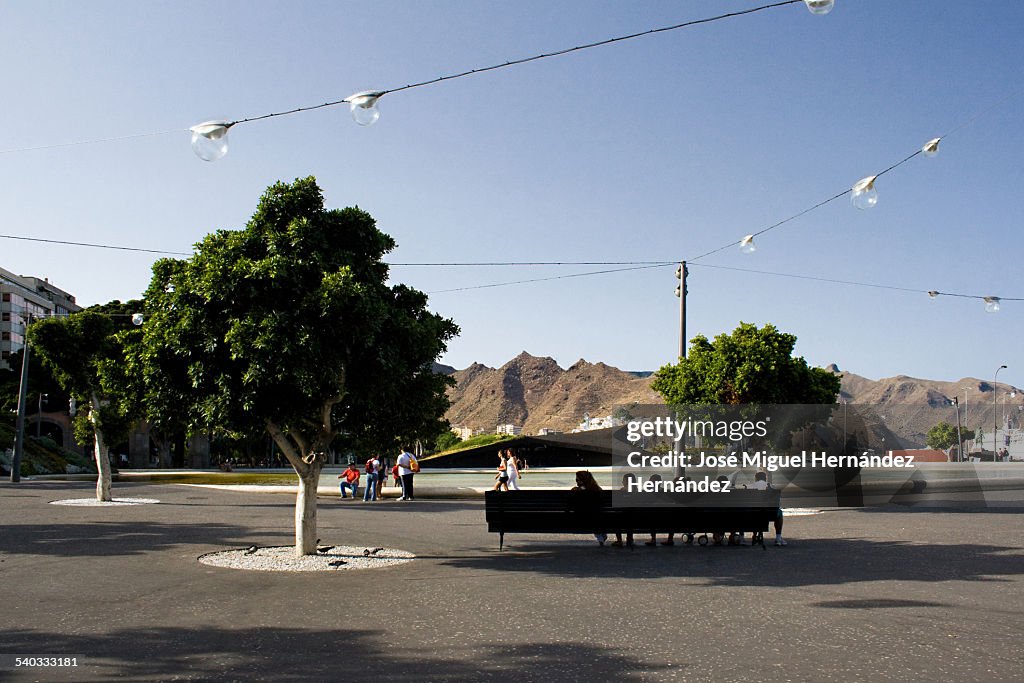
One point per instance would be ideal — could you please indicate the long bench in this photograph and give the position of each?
(581, 512)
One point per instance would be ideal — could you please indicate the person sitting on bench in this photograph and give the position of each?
(761, 484)
(586, 484)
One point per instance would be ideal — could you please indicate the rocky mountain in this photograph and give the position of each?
(911, 406)
(534, 392)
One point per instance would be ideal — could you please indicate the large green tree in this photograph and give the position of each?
(289, 326)
(81, 351)
(943, 435)
(751, 365)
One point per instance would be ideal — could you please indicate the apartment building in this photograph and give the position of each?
(22, 296)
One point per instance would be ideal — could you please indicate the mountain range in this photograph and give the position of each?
(535, 392)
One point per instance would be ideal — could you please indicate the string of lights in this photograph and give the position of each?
(210, 138)
(863, 193)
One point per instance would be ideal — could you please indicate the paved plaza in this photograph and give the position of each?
(859, 595)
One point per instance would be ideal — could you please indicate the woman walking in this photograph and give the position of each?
(512, 469)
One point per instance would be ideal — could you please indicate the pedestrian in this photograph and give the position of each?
(501, 478)
(351, 477)
(372, 468)
(382, 475)
(512, 470)
(587, 491)
(761, 484)
(407, 468)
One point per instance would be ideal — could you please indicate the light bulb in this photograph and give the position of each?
(864, 194)
(820, 6)
(210, 139)
(364, 106)
(678, 291)
(747, 245)
(991, 304)
(931, 148)
(137, 319)
(933, 294)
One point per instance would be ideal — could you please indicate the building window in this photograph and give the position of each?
(7, 297)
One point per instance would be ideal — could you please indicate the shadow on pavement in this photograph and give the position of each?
(804, 563)
(99, 539)
(288, 654)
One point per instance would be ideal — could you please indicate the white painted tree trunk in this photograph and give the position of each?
(102, 459)
(305, 511)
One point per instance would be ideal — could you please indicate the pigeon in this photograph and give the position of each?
(324, 548)
(336, 563)
(367, 552)
(251, 549)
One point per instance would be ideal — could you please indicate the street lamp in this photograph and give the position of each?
(995, 409)
(39, 413)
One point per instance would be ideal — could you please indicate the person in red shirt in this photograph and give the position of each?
(351, 477)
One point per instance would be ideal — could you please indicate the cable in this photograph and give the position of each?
(820, 204)
(850, 282)
(95, 246)
(540, 263)
(92, 142)
(546, 279)
(524, 60)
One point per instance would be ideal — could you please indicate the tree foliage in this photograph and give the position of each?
(289, 326)
(751, 365)
(943, 435)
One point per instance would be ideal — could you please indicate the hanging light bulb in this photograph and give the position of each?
(820, 6)
(747, 245)
(931, 148)
(137, 319)
(933, 294)
(864, 194)
(991, 304)
(364, 106)
(210, 139)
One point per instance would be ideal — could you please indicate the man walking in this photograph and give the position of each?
(406, 470)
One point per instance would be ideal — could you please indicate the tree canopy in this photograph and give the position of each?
(290, 326)
(750, 365)
(81, 351)
(943, 435)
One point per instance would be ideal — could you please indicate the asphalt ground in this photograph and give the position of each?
(879, 594)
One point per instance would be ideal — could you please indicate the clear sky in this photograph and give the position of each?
(659, 148)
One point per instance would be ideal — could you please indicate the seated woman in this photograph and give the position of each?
(585, 483)
(626, 478)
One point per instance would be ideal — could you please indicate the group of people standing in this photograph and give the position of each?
(510, 467)
(376, 471)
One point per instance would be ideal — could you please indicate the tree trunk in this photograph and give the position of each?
(102, 458)
(305, 510)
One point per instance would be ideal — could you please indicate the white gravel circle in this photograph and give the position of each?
(92, 502)
(800, 512)
(283, 559)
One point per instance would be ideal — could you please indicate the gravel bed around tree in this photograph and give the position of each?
(92, 502)
(330, 558)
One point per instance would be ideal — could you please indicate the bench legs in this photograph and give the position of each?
(501, 541)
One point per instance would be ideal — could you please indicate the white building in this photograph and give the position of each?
(22, 296)
(510, 429)
(466, 432)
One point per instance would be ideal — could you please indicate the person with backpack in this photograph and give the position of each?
(407, 469)
(372, 468)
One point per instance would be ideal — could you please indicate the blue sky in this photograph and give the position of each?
(659, 148)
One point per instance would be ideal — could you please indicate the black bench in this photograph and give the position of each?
(582, 512)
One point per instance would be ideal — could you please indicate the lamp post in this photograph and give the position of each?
(959, 439)
(995, 409)
(19, 425)
(681, 273)
(39, 414)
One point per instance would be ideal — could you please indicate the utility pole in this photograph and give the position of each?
(959, 439)
(995, 412)
(681, 273)
(19, 426)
